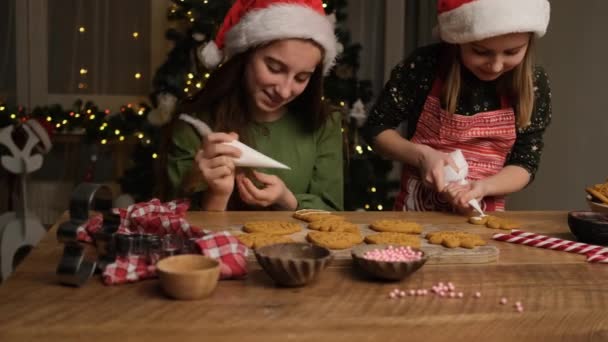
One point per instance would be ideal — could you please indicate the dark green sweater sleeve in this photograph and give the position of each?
(184, 144)
(326, 189)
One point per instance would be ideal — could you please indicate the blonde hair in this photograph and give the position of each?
(517, 85)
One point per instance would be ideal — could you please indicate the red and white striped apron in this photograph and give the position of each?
(485, 139)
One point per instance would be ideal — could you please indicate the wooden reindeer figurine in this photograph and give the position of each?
(21, 228)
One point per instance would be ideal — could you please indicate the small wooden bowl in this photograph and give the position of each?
(596, 206)
(589, 226)
(188, 276)
(293, 264)
(383, 269)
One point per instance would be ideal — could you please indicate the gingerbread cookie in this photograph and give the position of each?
(272, 227)
(257, 240)
(597, 193)
(452, 239)
(396, 226)
(300, 214)
(501, 223)
(311, 215)
(334, 225)
(389, 238)
(478, 220)
(335, 240)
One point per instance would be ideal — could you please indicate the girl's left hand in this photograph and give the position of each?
(273, 192)
(459, 195)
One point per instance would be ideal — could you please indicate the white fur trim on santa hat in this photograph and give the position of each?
(282, 21)
(210, 55)
(481, 19)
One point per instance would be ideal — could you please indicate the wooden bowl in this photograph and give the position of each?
(383, 269)
(589, 226)
(188, 276)
(596, 206)
(293, 264)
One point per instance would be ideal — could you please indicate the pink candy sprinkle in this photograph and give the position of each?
(394, 254)
(412, 292)
(517, 304)
(503, 301)
(460, 295)
(452, 295)
(520, 309)
(477, 294)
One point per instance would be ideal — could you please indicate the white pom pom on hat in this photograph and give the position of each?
(251, 23)
(210, 55)
(464, 21)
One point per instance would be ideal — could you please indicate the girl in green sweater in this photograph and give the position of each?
(266, 93)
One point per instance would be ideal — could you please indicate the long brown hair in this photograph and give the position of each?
(225, 99)
(517, 84)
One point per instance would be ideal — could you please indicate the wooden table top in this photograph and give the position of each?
(565, 298)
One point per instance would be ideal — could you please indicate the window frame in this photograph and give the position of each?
(32, 57)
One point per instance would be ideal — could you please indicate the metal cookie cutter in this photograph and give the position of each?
(74, 269)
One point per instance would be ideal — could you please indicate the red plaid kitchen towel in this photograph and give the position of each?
(87, 230)
(158, 218)
(229, 250)
(223, 246)
(128, 270)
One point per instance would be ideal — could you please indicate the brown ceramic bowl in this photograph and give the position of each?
(384, 269)
(188, 276)
(596, 206)
(293, 264)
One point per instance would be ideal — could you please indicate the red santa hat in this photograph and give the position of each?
(251, 23)
(464, 21)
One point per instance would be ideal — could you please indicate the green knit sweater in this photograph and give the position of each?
(315, 159)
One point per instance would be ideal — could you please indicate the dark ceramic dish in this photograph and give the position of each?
(589, 226)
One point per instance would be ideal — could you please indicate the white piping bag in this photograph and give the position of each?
(450, 175)
(249, 157)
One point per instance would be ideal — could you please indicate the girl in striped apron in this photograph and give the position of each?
(478, 91)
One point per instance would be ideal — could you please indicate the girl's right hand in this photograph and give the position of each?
(431, 163)
(216, 162)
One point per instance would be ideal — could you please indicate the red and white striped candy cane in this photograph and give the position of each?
(594, 253)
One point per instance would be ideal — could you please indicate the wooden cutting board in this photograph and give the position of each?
(437, 254)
